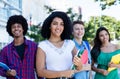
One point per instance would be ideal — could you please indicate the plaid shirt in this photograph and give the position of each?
(25, 69)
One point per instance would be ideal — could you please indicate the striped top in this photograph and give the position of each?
(25, 68)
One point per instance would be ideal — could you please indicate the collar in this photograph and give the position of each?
(78, 46)
(25, 42)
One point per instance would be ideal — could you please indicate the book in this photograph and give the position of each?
(84, 57)
(83, 54)
(116, 60)
(5, 67)
(78, 54)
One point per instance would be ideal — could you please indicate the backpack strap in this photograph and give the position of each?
(86, 44)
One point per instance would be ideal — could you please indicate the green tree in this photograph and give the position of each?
(34, 33)
(49, 9)
(109, 22)
(117, 30)
(107, 3)
(73, 16)
(90, 27)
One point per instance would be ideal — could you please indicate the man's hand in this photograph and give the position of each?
(11, 72)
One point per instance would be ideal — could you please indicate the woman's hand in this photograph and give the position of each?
(77, 62)
(68, 73)
(111, 64)
(104, 72)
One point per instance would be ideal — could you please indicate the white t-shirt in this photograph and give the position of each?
(58, 59)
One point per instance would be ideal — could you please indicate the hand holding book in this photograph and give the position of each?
(116, 60)
(73, 67)
(83, 54)
(5, 67)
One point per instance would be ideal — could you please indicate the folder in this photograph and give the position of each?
(116, 60)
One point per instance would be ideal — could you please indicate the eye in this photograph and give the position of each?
(82, 28)
(54, 23)
(62, 24)
(106, 34)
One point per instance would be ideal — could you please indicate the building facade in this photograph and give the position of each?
(33, 11)
(7, 8)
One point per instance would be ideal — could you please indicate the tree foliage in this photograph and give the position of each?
(107, 3)
(110, 23)
(91, 26)
(117, 30)
(34, 33)
(73, 16)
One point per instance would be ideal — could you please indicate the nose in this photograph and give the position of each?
(58, 26)
(104, 36)
(16, 26)
(79, 30)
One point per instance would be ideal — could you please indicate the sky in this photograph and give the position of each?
(89, 8)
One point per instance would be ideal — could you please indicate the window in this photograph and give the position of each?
(16, 3)
(3, 14)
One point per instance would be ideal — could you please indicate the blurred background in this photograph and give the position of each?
(94, 13)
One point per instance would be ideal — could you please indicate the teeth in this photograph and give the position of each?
(57, 31)
(79, 34)
(16, 32)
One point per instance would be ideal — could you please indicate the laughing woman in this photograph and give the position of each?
(55, 55)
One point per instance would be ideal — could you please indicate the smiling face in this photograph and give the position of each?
(17, 30)
(104, 36)
(57, 27)
(78, 31)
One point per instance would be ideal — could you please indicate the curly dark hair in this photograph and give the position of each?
(67, 32)
(97, 43)
(16, 19)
